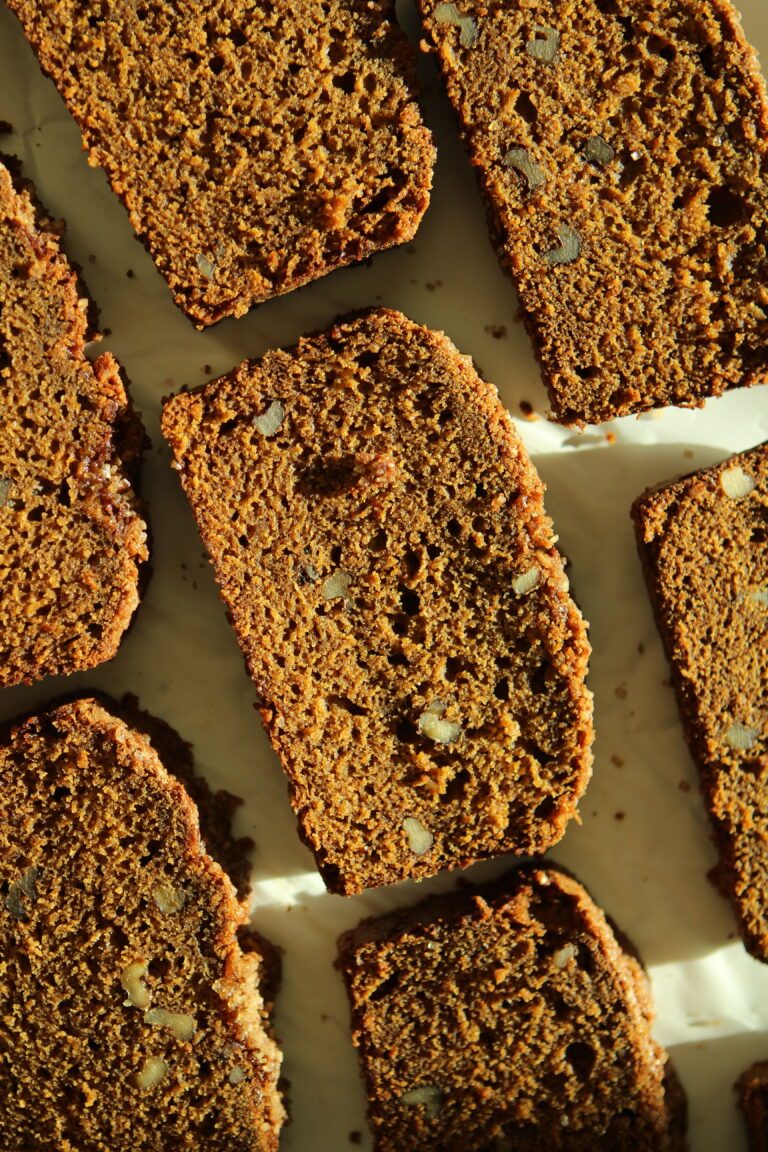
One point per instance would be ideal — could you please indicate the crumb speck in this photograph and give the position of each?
(684, 786)
(355, 1137)
(498, 331)
(641, 648)
(619, 815)
(610, 437)
(617, 761)
(130, 273)
(621, 691)
(688, 453)
(207, 369)
(106, 332)
(527, 410)
(91, 259)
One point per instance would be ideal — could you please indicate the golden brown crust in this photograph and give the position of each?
(506, 1016)
(114, 916)
(255, 146)
(622, 151)
(379, 537)
(73, 546)
(703, 541)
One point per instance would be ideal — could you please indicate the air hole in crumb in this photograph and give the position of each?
(588, 372)
(378, 543)
(546, 809)
(582, 1058)
(445, 416)
(412, 561)
(336, 554)
(345, 83)
(60, 792)
(526, 108)
(608, 7)
(453, 527)
(410, 601)
(238, 38)
(708, 62)
(480, 490)
(501, 691)
(457, 788)
(727, 208)
(406, 731)
(454, 666)
(661, 47)
(386, 986)
(368, 359)
(398, 659)
(400, 625)
(216, 65)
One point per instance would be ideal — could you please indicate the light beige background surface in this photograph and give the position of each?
(643, 847)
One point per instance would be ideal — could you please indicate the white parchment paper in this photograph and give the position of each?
(643, 847)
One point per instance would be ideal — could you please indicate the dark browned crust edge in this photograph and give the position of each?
(722, 875)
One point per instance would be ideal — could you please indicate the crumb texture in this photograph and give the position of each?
(704, 544)
(508, 1017)
(752, 1090)
(256, 144)
(130, 1017)
(72, 537)
(379, 537)
(622, 150)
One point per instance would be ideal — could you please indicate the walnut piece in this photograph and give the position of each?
(169, 899)
(564, 955)
(181, 1024)
(526, 582)
(131, 980)
(740, 737)
(736, 483)
(544, 44)
(153, 1071)
(428, 1095)
(23, 891)
(432, 725)
(570, 247)
(449, 14)
(419, 839)
(270, 420)
(519, 159)
(337, 586)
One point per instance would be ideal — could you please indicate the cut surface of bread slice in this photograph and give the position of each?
(256, 144)
(379, 537)
(622, 151)
(703, 541)
(130, 1014)
(72, 537)
(508, 1016)
(752, 1090)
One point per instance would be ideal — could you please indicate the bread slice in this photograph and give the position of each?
(73, 540)
(703, 542)
(130, 1015)
(752, 1089)
(255, 147)
(622, 150)
(379, 537)
(508, 1016)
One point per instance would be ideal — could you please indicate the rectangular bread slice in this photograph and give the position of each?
(130, 1002)
(255, 147)
(73, 540)
(752, 1089)
(703, 542)
(508, 1016)
(379, 538)
(622, 150)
